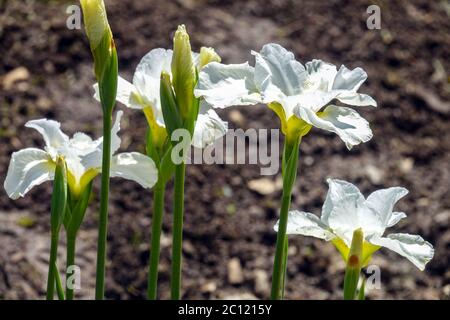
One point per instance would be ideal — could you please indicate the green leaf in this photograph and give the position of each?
(361, 293)
(79, 210)
(59, 196)
(166, 168)
(171, 115)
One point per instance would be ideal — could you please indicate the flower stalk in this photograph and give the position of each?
(290, 160)
(58, 207)
(158, 213)
(106, 72)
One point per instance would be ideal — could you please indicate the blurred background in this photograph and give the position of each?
(46, 71)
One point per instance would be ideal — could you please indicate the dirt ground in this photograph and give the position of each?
(46, 71)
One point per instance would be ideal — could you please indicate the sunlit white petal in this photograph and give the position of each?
(412, 247)
(28, 168)
(307, 224)
(208, 128)
(50, 130)
(226, 85)
(345, 122)
(383, 201)
(135, 166)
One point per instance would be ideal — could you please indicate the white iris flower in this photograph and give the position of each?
(144, 94)
(345, 210)
(32, 166)
(300, 95)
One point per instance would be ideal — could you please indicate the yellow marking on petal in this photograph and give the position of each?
(77, 187)
(368, 250)
(159, 133)
(293, 127)
(341, 247)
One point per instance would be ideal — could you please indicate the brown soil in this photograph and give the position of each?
(225, 220)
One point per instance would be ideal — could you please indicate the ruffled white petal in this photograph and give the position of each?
(383, 201)
(345, 122)
(93, 159)
(395, 218)
(412, 247)
(344, 211)
(82, 144)
(135, 166)
(28, 168)
(227, 85)
(50, 130)
(356, 99)
(306, 224)
(208, 128)
(276, 69)
(350, 80)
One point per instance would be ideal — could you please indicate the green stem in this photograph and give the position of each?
(283, 279)
(177, 240)
(52, 267)
(59, 286)
(103, 222)
(158, 212)
(70, 261)
(290, 159)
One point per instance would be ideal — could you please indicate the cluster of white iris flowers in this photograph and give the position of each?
(179, 89)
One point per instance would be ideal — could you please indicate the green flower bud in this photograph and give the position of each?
(95, 21)
(184, 73)
(103, 50)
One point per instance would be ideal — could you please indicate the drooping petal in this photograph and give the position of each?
(135, 166)
(350, 80)
(356, 99)
(383, 201)
(208, 128)
(227, 85)
(28, 168)
(50, 130)
(127, 94)
(395, 218)
(345, 122)
(412, 247)
(276, 69)
(306, 224)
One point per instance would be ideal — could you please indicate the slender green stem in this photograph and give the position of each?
(52, 267)
(158, 212)
(290, 159)
(103, 221)
(283, 279)
(70, 261)
(59, 286)
(178, 208)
